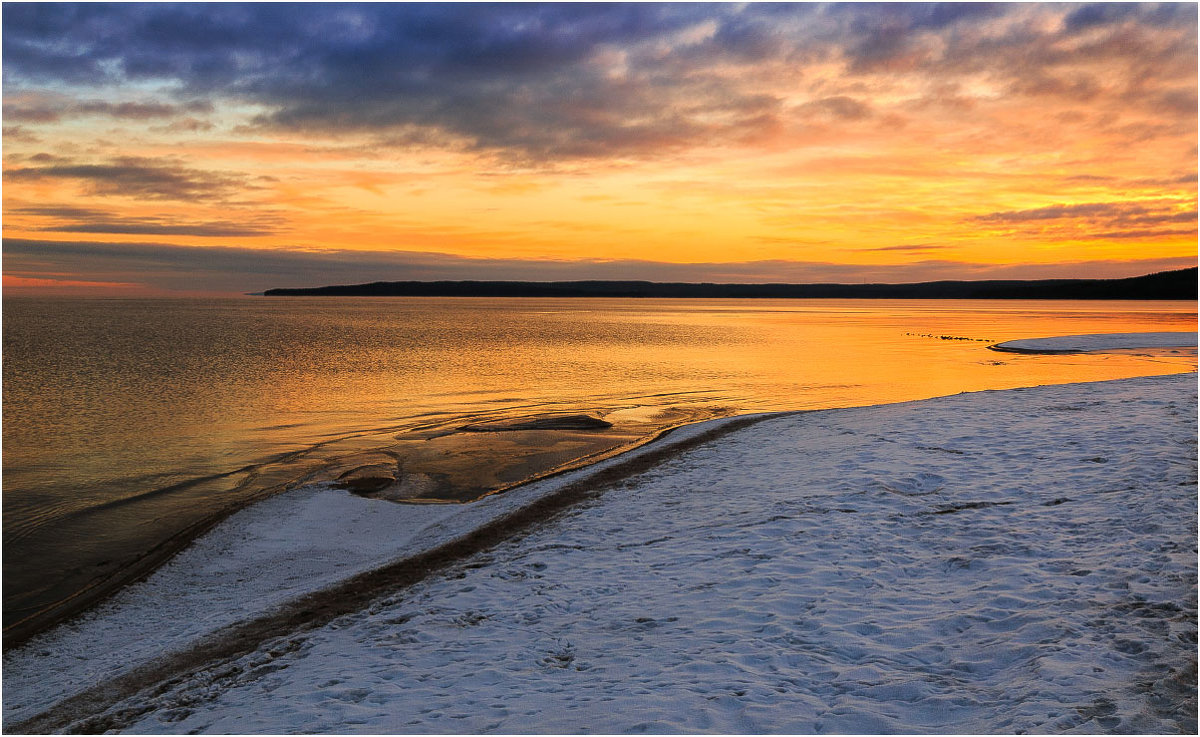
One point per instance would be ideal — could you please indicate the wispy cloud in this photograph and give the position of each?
(913, 248)
(169, 267)
(137, 177)
(42, 108)
(1102, 220)
(1118, 211)
(90, 220)
(1145, 233)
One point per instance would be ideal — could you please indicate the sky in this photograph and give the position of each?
(159, 149)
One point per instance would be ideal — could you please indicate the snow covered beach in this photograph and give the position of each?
(995, 562)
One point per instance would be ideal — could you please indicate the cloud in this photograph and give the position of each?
(554, 81)
(89, 220)
(916, 248)
(1055, 212)
(15, 133)
(137, 177)
(186, 125)
(51, 109)
(1114, 212)
(230, 269)
(839, 107)
(43, 284)
(1160, 233)
(1092, 15)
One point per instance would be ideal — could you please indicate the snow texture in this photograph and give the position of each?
(263, 556)
(1099, 342)
(998, 562)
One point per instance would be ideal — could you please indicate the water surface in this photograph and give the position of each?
(131, 424)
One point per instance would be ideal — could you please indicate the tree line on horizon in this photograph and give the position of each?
(1178, 284)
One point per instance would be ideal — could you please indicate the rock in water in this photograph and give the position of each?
(368, 480)
(553, 422)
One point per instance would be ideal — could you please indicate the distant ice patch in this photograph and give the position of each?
(1098, 342)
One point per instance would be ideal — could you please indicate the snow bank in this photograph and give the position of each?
(1003, 562)
(1098, 342)
(262, 557)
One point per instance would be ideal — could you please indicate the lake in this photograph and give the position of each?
(132, 425)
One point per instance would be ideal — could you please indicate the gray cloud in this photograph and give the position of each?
(547, 81)
(1146, 233)
(53, 109)
(916, 247)
(230, 269)
(839, 107)
(1115, 213)
(1055, 212)
(19, 133)
(138, 177)
(89, 220)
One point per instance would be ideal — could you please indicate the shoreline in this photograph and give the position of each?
(469, 483)
(519, 508)
(98, 592)
(88, 505)
(450, 533)
(525, 508)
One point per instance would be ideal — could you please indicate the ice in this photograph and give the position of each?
(1010, 561)
(261, 558)
(1099, 342)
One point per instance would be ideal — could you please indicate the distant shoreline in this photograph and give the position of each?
(1178, 284)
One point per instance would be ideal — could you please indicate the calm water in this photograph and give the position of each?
(129, 422)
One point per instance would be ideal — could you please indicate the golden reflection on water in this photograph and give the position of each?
(128, 421)
(681, 361)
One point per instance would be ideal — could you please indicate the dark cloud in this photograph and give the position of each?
(1158, 233)
(1055, 212)
(53, 109)
(187, 125)
(155, 227)
(839, 107)
(1076, 87)
(545, 81)
(137, 177)
(914, 248)
(1113, 212)
(889, 36)
(89, 220)
(31, 114)
(20, 133)
(227, 269)
(77, 213)
(1092, 15)
(1100, 220)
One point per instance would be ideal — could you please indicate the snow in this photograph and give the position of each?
(1097, 342)
(1008, 561)
(262, 557)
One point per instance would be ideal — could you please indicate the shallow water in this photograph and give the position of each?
(130, 422)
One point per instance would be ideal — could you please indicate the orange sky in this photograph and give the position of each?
(350, 144)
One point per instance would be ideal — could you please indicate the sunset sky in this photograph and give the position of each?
(208, 149)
